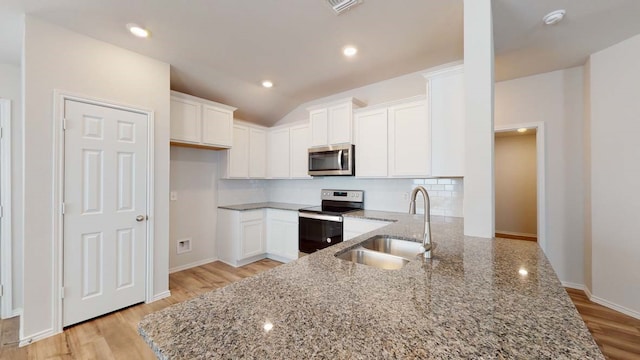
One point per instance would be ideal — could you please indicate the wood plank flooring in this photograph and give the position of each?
(617, 334)
(115, 336)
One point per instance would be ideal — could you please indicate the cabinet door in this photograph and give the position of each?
(319, 124)
(340, 124)
(409, 140)
(252, 238)
(371, 143)
(185, 120)
(282, 235)
(217, 126)
(239, 154)
(278, 154)
(299, 136)
(446, 100)
(257, 153)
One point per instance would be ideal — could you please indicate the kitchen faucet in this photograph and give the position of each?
(426, 240)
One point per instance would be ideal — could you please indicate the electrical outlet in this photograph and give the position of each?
(183, 246)
(405, 196)
(173, 196)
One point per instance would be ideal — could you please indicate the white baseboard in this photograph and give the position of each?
(16, 312)
(282, 259)
(571, 285)
(616, 307)
(588, 292)
(162, 295)
(191, 265)
(30, 339)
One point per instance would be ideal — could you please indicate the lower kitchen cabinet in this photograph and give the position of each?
(247, 236)
(240, 236)
(282, 235)
(354, 227)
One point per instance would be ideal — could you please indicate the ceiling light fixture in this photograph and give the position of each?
(522, 130)
(349, 51)
(268, 84)
(138, 31)
(554, 17)
(523, 272)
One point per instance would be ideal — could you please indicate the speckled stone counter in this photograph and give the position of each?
(470, 301)
(265, 205)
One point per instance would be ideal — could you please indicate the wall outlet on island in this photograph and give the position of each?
(183, 246)
(173, 196)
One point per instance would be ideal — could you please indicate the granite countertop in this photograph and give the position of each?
(469, 301)
(264, 205)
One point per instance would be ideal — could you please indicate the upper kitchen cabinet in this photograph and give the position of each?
(392, 139)
(445, 96)
(332, 123)
(247, 158)
(287, 152)
(200, 123)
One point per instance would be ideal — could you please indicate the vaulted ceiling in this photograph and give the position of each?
(222, 49)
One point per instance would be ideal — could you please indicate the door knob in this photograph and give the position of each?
(139, 218)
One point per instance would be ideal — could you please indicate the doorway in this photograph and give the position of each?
(104, 186)
(519, 182)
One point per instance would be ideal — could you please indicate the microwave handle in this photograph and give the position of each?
(340, 160)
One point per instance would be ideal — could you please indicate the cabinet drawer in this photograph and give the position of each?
(283, 215)
(251, 215)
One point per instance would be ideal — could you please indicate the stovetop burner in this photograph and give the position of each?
(338, 202)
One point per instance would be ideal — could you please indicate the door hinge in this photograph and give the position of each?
(1, 133)
(1, 290)
(64, 124)
(63, 208)
(1, 211)
(62, 292)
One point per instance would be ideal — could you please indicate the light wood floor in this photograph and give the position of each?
(115, 336)
(617, 334)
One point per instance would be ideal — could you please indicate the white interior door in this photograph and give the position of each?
(105, 210)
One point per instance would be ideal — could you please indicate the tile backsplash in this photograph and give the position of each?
(445, 194)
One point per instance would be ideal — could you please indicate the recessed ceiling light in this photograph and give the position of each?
(268, 84)
(521, 130)
(554, 17)
(523, 272)
(349, 51)
(138, 31)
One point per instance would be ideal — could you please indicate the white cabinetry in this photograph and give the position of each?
(392, 140)
(247, 158)
(199, 122)
(240, 236)
(287, 152)
(371, 143)
(279, 153)
(409, 140)
(354, 227)
(332, 123)
(299, 144)
(445, 94)
(282, 235)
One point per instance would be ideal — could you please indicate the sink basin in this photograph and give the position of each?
(403, 248)
(373, 258)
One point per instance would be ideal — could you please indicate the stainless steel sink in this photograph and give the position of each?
(373, 258)
(404, 248)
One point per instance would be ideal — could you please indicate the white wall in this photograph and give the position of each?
(194, 174)
(11, 88)
(586, 176)
(55, 58)
(478, 78)
(554, 98)
(515, 163)
(615, 170)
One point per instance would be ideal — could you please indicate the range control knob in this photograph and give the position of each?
(329, 240)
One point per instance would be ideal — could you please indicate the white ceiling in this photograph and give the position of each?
(223, 49)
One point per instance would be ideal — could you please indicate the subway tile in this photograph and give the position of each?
(449, 187)
(444, 181)
(431, 181)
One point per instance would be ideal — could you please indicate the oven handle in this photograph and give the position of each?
(320, 217)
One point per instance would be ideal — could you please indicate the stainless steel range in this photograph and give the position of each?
(321, 226)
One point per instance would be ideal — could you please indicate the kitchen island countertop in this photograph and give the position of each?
(475, 299)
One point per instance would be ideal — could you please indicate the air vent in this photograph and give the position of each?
(340, 6)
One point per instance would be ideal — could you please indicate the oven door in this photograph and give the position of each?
(318, 231)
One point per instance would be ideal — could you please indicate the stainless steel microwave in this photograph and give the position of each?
(332, 160)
